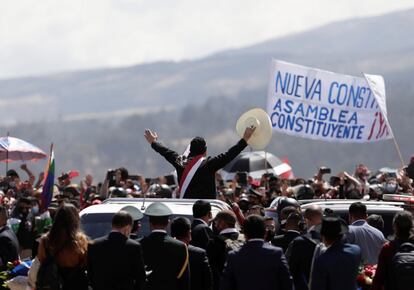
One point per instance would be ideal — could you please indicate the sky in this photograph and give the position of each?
(48, 36)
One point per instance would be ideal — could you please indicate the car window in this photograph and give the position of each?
(387, 216)
(99, 225)
(96, 225)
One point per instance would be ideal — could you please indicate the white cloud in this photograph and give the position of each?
(44, 36)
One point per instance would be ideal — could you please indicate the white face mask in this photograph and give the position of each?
(390, 187)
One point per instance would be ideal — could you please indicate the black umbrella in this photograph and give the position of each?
(256, 163)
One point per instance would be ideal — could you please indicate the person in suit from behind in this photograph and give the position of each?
(292, 231)
(360, 233)
(166, 259)
(337, 267)
(258, 259)
(9, 245)
(200, 271)
(201, 233)
(301, 249)
(116, 261)
(228, 239)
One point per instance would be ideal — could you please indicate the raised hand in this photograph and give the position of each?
(150, 136)
(248, 133)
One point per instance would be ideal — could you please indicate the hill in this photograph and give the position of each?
(96, 118)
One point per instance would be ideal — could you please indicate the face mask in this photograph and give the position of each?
(34, 210)
(390, 187)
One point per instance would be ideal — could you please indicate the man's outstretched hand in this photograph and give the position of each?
(248, 133)
(150, 136)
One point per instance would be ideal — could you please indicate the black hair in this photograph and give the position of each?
(201, 208)
(358, 210)
(25, 200)
(294, 218)
(197, 146)
(124, 173)
(227, 216)
(159, 220)
(376, 221)
(12, 173)
(403, 224)
(254, 227)
(287, 211)
(122, 219)
(180, 227)
(3, 212)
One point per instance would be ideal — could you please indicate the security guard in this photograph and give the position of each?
(136, 215)
(165, 258)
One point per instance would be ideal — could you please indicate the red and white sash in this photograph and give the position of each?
(188, 173)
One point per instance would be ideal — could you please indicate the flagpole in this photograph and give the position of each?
(398, 150)
(48, 163)
(7, 154)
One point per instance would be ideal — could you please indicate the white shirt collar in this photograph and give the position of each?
(359, 221)
(229, 231)
(256, 240)
(159, 231)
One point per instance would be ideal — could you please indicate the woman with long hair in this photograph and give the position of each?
(403, 225)
(68, 245)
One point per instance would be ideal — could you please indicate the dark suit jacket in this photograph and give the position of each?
(283, 241)
(300, 255)
(203, 184)
(165, 258)
(9, 247)
(336, 268)
(217, 255)
(200, 272)
(201, 235)
(257, 265)
(115, 262)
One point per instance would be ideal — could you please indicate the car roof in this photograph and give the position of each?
(177, 206)
(344, 205)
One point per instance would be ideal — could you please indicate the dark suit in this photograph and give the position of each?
(167, 261)
(300, 255)
(9, 247)
(257, 265)
(201, 234)
(336, 268)
(115, 262)
(203, 184)
(200, 271)
(217, 255)
(283, 241)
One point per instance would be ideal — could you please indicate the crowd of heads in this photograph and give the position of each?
(20, 192)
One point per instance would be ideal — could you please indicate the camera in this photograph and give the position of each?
(110, 176)
(324, 170)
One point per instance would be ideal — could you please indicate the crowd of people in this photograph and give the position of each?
(304, 249)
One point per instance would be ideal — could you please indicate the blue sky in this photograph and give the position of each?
(46, 36)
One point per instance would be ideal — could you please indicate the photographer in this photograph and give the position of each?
(114, 178)
(319, 185)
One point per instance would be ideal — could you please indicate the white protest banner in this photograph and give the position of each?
(323, 105)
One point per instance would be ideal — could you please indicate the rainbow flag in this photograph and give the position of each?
(47, 191)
